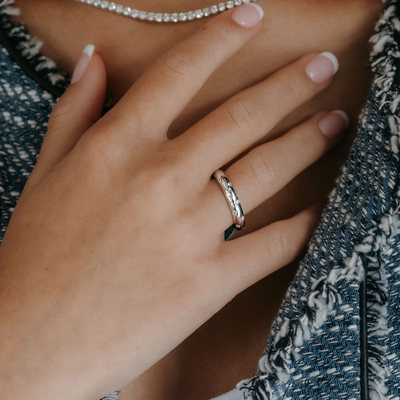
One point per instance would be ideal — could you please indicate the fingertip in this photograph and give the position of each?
(247, 15)
(334, 124)
(317, 207)
(82, 64)
(344, 116)
(92, 84)
(96, 69)
(90, 65)
(333, 59)
(313, 215)
(322, 68)
(89, 50)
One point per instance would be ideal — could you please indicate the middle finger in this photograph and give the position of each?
(245, 118)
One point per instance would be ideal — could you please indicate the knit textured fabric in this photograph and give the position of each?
(315, 346)
(336, 335)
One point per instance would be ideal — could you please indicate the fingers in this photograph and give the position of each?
(76, 111)
(252, 257)
(270, 167)
(165, 89)
(249, 115)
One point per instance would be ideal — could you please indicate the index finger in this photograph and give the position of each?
(165, 89)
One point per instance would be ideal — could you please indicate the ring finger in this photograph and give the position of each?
(269, 167)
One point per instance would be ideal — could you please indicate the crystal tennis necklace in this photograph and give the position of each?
(165, 17)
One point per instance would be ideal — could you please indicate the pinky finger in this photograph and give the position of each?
(257, 255)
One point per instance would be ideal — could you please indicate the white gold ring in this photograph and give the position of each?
(231, 199)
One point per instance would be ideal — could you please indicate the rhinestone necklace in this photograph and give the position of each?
(165, 17)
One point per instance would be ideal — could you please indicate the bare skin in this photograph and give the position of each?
(226, 348)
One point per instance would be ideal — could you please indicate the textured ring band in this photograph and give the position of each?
(231, 199)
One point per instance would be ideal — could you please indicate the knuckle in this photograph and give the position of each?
(310, 141)
(116, 135)
(105, 150)
(196, 289)
(294, 85)
(164, 176)
(217, 32)
(280, 245)
(243, 114)
(94, 151)
(102, 149)
(265, 170)
(177, 63)
(163, 182)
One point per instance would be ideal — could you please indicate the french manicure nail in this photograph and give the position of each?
(82, 64)
(248, 15)
(322, 67)
(334, 123)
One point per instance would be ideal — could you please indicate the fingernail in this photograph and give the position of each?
(334, 123)
(82, 64)
(322, 67)
(248, 15)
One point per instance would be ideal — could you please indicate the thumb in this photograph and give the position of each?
(75, 112)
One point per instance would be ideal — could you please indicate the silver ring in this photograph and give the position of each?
(231, 198)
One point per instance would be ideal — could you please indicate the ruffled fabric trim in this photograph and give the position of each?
(276, 366)
(321, 302)
(29, 47)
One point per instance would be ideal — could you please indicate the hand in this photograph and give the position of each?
(115, 252)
